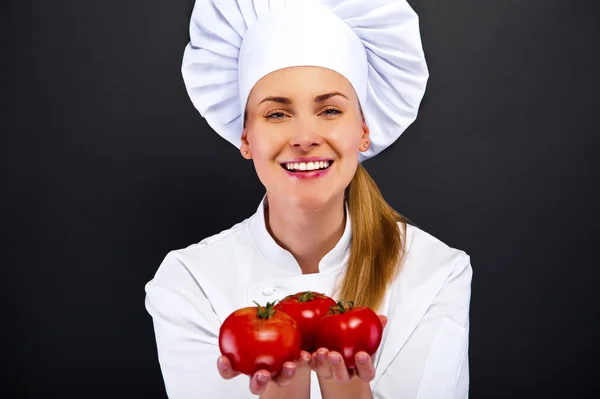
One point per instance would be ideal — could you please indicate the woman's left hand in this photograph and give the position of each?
(329, 365)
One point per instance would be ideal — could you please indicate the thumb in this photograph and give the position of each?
(383, 320)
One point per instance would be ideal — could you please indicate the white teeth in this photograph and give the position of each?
(307, 166)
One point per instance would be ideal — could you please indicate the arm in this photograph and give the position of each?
(187, 345)
(446, 370)
(186, 330)
(434, 363)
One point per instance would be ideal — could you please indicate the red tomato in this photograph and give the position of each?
(349, 330)
(257, 338)
(307, 308)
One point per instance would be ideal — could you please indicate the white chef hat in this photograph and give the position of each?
(375, 44)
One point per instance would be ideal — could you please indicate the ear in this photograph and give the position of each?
(365, 130)
(245, 146)
(365, 142)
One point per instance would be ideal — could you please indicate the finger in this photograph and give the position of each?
(259, 381)
(304, 359)
(321, 363)
(383, 319)
(313, 361)
(339, 371)
(286, 376)
(364, 366)
(225, 369)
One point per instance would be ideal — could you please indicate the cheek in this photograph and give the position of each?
(265, 145)
(346, 139)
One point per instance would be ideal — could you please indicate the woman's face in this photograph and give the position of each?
(304, 131)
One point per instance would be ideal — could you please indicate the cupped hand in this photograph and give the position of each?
(260, 379)
(330, 364)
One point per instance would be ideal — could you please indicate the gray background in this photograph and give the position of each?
(106, 166)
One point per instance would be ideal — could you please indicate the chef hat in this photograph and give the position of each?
(375, 44)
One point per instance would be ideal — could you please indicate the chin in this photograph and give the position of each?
(312, 201)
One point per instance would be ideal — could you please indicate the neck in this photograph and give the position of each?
(307, 234)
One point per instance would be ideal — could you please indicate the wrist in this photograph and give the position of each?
(354, 389)
(298, 389)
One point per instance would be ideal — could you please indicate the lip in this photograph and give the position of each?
(313, 174)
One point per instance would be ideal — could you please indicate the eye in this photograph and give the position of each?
(331, 112)
(275, 115)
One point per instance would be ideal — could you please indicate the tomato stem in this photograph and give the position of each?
(340, 307)
(306, 296)
(265, 312)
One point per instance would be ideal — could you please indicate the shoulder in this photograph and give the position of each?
(209, 252)
(422, 244)
(427, 256)
(209, 269)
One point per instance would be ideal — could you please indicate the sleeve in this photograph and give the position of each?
(434, 363)
(186, 331)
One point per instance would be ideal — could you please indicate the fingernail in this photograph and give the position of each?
(262, 377)
(288, 371)
(335, 359)
(321, 356)
(362, 358)
(221, 363)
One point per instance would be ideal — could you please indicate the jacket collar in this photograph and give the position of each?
(282, 258)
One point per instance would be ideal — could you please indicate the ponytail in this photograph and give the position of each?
(377, 246)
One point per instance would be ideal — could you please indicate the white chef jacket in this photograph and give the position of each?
(424, 350)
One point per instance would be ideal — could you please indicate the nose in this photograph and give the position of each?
(305, 137)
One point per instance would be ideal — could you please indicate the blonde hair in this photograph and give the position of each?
(377, 246)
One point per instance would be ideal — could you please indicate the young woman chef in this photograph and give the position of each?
(307, 90)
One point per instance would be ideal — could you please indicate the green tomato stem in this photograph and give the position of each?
(306, 296)
(265, 312)
(340, 308)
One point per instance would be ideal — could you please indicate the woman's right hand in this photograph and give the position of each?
(260, 379)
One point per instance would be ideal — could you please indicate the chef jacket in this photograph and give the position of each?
(424, 349)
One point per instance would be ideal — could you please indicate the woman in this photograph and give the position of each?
(307, 90)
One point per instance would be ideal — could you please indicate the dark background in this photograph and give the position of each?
(106, 166)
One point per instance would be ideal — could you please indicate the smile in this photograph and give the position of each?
(306, 166)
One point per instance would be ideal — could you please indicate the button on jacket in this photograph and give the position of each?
(424, 349)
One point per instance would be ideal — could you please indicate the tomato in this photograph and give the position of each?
(307, 308)
(349, 330)
(256, 338)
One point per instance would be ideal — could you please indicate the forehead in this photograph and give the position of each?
(302, 81)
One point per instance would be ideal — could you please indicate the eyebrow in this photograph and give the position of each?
(318, 99)
(323, 97)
